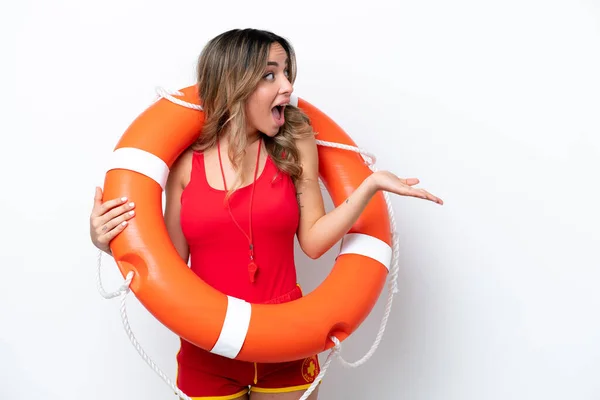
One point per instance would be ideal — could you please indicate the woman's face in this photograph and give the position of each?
(265, 106)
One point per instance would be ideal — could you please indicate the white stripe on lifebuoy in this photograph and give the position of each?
(140, 161)
(368, 246)
(235, 328)
(294, 100)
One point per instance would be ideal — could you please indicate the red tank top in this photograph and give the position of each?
(219, 250)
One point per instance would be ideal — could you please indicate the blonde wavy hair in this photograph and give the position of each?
(229, 68)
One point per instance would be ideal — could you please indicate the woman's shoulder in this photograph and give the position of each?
(179, 174)
(307, 146)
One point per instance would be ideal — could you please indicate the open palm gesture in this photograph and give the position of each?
(389, 182)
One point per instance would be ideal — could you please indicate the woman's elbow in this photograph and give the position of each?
(312, 251)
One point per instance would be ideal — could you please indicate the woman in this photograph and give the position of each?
(236, 199)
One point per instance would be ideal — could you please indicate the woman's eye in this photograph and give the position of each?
(269, 76)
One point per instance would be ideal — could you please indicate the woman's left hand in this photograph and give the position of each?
(385, 180)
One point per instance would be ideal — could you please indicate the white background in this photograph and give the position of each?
(493, 105)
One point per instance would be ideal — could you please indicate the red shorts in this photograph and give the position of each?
(202, 374)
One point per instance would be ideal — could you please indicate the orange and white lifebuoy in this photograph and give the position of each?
(200, 314)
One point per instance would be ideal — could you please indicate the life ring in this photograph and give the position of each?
(200, 314)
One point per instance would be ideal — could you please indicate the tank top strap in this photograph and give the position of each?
(198, 173)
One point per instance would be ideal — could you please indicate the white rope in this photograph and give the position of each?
(168, 94)
(123, 291)
(370, 160)
(392, 287)
(393, 274)
(335, 351)
(370, 157)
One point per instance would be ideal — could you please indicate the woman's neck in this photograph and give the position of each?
(251, 138)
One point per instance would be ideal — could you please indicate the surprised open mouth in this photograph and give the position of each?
(277, 113)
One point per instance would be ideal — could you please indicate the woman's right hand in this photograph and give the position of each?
(108, 219)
